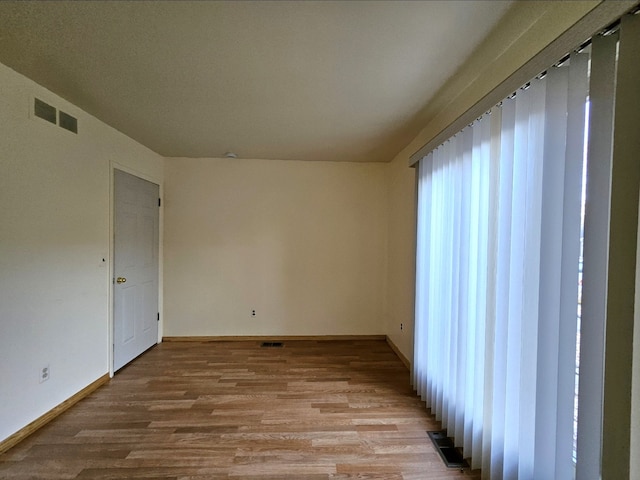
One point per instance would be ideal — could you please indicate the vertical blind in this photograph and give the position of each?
(498, 249)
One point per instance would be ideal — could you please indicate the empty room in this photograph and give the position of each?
(313, 240)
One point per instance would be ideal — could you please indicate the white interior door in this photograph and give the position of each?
(135, 322)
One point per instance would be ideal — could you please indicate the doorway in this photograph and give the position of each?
(135, 267)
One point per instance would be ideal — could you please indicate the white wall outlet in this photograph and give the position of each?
(401, 326)
(253, 313)
(45, 373)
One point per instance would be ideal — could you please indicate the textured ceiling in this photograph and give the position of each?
(338, 81)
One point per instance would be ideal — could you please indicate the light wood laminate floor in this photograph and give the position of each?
(222, 410)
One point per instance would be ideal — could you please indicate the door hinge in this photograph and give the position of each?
(159, 202)
(158, 316)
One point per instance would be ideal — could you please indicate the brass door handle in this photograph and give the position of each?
(121, 280)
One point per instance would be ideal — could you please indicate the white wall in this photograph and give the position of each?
(402, 239)
(302, 243)
(54, 233)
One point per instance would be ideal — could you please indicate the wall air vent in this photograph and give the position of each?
(68, 122)
(272, 344)
(44, 110)
(51, 114)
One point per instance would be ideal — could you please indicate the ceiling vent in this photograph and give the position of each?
(51, 114)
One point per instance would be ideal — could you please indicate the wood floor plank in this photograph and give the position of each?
(194, 410)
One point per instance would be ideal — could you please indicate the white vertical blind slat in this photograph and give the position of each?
(537, 116)
(596, 247)
(503, 261)
(423, 242)
(550, 249)
(515, 288)
(466, 142)
(484, 152)
(575, 153)
(492, 261)
(455, 303)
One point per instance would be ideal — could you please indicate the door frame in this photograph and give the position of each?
(113, 165)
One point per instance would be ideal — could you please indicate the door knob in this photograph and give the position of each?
(121, 280)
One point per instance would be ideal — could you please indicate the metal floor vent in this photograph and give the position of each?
(271, 344)
(450, 455)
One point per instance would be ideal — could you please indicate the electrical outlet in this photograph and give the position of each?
(253, 313)
(45, 373)
(401, 326)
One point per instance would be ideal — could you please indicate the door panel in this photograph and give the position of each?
(148, 241)
(150, 312)
(135, 326)
(127, 315)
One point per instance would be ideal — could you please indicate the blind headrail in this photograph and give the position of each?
(597, 20)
